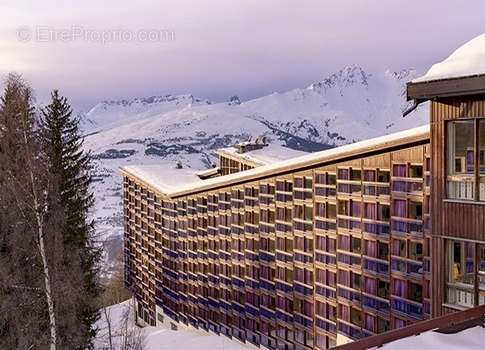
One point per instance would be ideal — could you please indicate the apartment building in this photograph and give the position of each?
(320, 249)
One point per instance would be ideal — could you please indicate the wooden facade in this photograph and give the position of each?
(463, 220)
(306, 258)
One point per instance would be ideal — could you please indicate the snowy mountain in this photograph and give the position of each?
(345, 107)
(110, 114)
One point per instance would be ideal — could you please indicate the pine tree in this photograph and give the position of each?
(70, 164)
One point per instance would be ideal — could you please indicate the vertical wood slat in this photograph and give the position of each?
(460, 220)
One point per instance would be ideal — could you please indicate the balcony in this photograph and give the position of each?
(325, 291)
(407, 307)
(283, 316)
(303, 321)
(303, 258)
(283, 287)
(269, 314)
(326, 325)
(303, 290)
(349, 295)
(265, 256)
(460, 295)
(325, 191)
(376, 266)
(350, 331)
(375, 304)
(408, 186)
(350, 260)
(325, 259)
(407, 267)
(377, 229)
(268, 286)
(402, 227)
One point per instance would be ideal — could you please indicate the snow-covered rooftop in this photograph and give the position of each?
(467, 60)
(170, 184)
(470, 339)
(270, 154)
(164, 177)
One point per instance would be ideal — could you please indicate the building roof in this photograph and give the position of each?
(270, 154)
(470, 339)
(164, 177)
(167, 181)
(462, 73)
(467, 60)
(452, 331)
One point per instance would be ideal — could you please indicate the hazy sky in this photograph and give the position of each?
(221, 47)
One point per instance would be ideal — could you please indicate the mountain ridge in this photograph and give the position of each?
(347, 106)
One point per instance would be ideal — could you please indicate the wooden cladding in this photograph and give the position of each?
(456, 219)
(448, 109)
(459, 219)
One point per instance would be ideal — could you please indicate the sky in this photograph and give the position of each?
(104, 50)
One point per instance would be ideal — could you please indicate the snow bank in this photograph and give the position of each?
(469, 59)
(470, 339)
(158, 338)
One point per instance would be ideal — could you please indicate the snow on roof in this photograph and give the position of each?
(467, 60)
(164, 177)
(470, 339)
(175, 186)
(207, 172)
(267, 155)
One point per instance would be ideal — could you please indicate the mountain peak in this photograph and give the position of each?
(152, 100)
(346, 77)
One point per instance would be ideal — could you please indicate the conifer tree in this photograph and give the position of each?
(70, 164)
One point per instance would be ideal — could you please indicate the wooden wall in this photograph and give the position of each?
(455, 219)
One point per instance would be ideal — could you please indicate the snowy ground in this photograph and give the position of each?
(158, 338)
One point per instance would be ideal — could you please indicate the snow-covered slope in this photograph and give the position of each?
(123, 330)
(110, 114)
(345, 107)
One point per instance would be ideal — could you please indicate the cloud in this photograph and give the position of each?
(222, 48)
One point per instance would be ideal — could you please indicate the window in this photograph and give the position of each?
(399, 248)
(355, 175)
(303, 212)
(415, 292)
(384, 212)
(481, 273)
(356, 316)
(383, 289)
(416, 171)
(331, 211)
(382, 250)
(383, 325)
(461, 273)
(416, 251)
(383, 176)
(415, 210)
(461, 160)
(356, 281)
(370, 175)
(356, 245)
(481, 159)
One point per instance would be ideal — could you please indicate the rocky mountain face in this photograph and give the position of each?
(345, 107)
